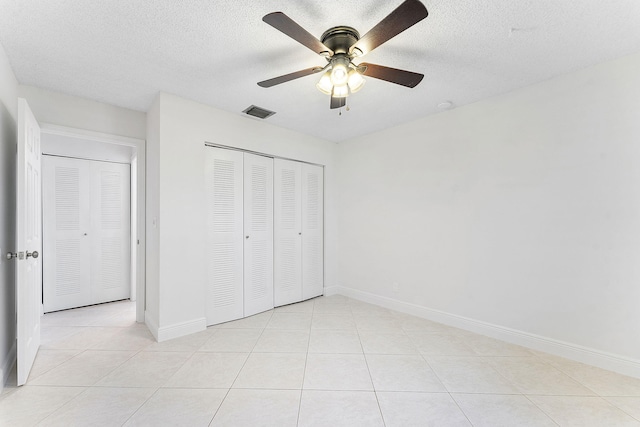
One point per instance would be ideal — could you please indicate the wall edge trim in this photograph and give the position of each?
(181, 329)
(152, 325)
(613, 362)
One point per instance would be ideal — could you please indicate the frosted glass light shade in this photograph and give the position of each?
(324, 85)
(355, 81)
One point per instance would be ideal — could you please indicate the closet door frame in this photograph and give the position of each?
(67, 139)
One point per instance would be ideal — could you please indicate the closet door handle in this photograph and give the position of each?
(33, 254)
(247, 237)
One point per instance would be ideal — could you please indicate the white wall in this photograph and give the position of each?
(8, 117)
(152, 309)
(185, 126)
(522, 211)
(67, 110)
(84, 148)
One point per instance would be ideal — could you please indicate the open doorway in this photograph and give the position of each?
(92, 146)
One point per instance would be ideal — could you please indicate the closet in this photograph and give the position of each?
(86, 232)
(264, 233)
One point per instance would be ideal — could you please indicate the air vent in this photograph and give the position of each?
(258, 112)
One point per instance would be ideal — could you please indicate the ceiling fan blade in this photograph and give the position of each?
(338, 102)
(282, 22)
(404, 16)
(288, 77)
(393, 75)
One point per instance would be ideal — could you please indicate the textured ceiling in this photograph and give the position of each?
(123, 52)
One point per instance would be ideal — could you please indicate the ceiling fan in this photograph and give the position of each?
(341, 45)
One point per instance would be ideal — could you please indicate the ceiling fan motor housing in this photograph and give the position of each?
(340, 39)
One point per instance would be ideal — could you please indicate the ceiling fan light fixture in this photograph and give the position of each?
(355, 81)
(324, 85)
(341, 44)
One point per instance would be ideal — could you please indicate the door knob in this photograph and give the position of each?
(247, 237)
(34, 254)
(11, 255)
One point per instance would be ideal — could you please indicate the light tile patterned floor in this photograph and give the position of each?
(331, 361)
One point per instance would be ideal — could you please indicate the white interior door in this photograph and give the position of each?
(110, 232)
(258, 230)
(66, 225)
(287, 275)
(225, 239)
(312, 231)
(28, 241)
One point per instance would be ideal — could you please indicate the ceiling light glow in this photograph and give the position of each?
(339, 74)
(341, 91)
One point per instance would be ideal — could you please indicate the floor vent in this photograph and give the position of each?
(258, 112)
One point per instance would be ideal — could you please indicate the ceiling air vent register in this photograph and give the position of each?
(258, 112)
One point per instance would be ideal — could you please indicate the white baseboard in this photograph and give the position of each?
(152, 324)
(332, 290)
(7, 365)
(601, 359)
(181, 329)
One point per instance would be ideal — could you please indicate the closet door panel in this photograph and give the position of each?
(66, 248)
(110, 233)
(312, 231)
(258, 230)
(224, 235)
(287, 233)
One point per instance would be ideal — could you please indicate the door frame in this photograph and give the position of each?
(138, 198)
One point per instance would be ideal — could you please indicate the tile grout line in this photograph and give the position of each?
(63, 405)
(141, 405)
(304, 371)
(366, 362)
(619, 408)
(240, 370)
(541, 410)
(443, 385)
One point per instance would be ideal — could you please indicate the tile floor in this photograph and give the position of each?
(331, 361)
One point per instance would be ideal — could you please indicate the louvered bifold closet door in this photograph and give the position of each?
(110, 233)
(258, 230)
(312, 231)
(224, 269)
(287, 275)
(66, 247)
